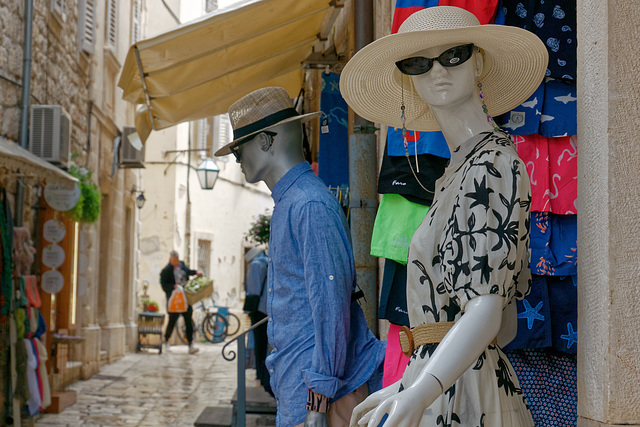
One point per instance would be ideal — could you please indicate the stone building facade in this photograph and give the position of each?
(77, 49)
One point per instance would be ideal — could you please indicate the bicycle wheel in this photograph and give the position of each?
(233, 323)
(214, 327)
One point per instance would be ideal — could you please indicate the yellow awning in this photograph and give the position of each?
(16, 160)
(198, 69)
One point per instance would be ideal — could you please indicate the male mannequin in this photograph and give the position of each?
(461, 276)
(323, 351)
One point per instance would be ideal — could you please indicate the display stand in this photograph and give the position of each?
(150, 331)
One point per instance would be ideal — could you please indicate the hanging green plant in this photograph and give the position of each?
(88, 208)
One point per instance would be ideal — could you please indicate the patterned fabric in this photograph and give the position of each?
(554, 21)
(552, 164)
(554, 244)
(549, 381)
(550, 111)
(474, 241)
(560, 109)
(548, 316)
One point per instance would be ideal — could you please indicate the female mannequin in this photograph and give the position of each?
(469, 258)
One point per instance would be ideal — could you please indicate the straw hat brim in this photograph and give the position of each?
(303, 118)
(515, 62)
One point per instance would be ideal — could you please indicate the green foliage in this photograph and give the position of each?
(88, 208)
(150, 306)
(260, 229)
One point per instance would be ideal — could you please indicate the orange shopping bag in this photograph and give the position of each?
(178, 301)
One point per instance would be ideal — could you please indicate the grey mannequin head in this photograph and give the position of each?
(268, 155)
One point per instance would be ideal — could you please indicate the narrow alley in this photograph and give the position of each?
(147, 389)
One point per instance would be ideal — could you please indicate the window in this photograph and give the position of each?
(87, 25)
(211, 5)
(136, 20)
(204, 257)
(222, 133)
(111, 37)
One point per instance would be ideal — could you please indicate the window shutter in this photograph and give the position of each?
(87, 25)
(112, 24)
(136, 19)
(203, 131)
(59, 9)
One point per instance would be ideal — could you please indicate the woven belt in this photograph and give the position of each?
(430, 333)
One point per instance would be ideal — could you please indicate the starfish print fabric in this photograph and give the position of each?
(474, 241)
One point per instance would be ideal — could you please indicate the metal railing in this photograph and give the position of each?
(241, 405)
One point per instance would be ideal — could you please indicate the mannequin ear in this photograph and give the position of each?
(477, 56)
(265, 142)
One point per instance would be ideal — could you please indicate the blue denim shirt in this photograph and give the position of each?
(256, 278)
(320, 338)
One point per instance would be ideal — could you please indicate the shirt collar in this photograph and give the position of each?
(288, 179)
(464, 151)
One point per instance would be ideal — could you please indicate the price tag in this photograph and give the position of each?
(324, 125)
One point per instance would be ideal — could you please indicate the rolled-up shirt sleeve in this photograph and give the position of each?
(329, 280)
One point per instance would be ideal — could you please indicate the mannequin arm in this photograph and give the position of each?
(459, 349)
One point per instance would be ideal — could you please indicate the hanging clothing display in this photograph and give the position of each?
(396, 176)
(333, 150)
(552, 164)
(393, 295)
(549, 380)
(548, 316)
(396, 221)
(554, 247)
(551, 111)
(554, 21)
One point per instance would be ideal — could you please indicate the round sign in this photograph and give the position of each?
(52, 282)
(54, 231)
(62, 198)
(52, 256)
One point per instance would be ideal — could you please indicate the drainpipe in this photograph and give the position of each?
(26, 93)
(362, 182)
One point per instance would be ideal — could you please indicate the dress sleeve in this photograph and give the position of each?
(485, 247)
(329, 280)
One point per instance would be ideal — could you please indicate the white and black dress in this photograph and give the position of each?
(474, 241)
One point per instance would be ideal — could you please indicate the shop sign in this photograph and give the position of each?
(62, 198)
(54, 231)
(53, 256)
(52, 282)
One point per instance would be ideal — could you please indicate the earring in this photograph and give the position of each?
(486, 110)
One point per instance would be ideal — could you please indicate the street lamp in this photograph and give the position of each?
(140, 199)
(207, 172)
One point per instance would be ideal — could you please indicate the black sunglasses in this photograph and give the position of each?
(235, 148)
(449, 58)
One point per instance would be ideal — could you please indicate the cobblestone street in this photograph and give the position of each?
(147, 389)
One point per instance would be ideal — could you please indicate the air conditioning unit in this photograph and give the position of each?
(132, 154)
(50, 135)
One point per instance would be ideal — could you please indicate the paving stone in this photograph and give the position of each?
(150, 390)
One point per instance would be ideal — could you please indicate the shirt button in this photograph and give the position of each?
(269, 290)
(271, 371)
(270, 319)
(331, 277)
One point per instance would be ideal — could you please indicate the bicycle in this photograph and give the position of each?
(210, 322)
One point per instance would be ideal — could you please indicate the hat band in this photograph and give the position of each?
(265, 122)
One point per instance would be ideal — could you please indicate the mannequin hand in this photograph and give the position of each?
(365, 408)
(406, 408)
(316, 419)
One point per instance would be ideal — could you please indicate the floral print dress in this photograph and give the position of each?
(474, 241)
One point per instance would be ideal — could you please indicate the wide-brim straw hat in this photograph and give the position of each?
(260, 110)
(515, 62)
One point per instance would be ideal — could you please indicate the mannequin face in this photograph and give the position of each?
(447, 86)
(254, 157)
